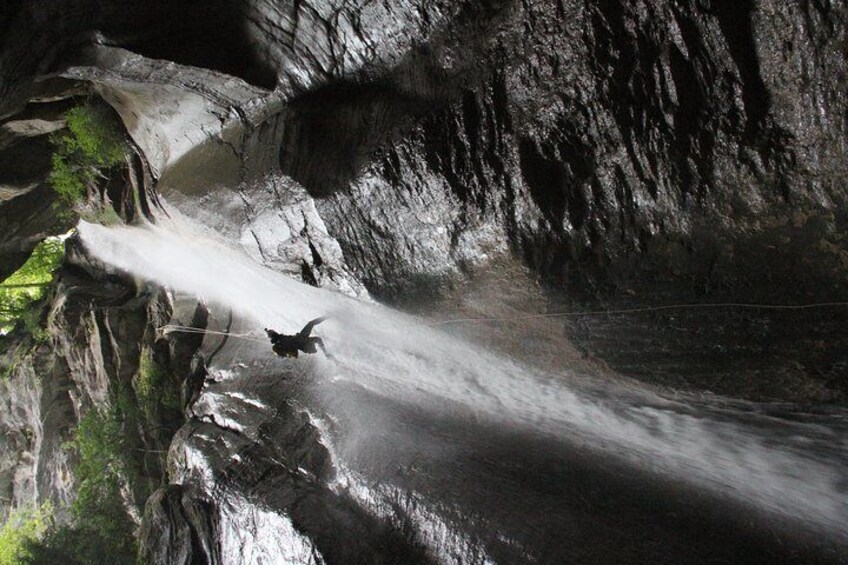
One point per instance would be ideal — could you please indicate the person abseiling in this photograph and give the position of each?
(289, 345)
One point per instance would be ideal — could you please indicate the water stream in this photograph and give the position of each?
(775, 460)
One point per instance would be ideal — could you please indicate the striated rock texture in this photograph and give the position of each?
(99, 350)
(387, 149)
(580, 135)
(27, 213)
(595, 133)
(258, 485)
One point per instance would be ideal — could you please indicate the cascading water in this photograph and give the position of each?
(786, 466)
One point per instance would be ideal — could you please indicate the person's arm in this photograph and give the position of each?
(272, 335)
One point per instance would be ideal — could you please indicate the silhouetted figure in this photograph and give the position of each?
(288, 345)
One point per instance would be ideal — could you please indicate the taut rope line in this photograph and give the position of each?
(250, 336)
(646, 309)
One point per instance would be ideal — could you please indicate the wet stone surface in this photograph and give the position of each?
(764, 355)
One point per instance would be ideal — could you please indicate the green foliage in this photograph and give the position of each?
(31, 319)
(79, 545)
(28, 285)
(105, 215)
(24, 528)
(92, 144)
(95, 135)
(7, 370)
(103, 468)
(98, 442)
(65, 180)
(11, 359)
(101, 532)
(154, 390)
(148, 381)
(113, 465)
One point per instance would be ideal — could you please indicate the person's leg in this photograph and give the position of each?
(307, 329)
(310, 346)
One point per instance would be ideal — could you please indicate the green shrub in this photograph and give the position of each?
(65, 180)
(25, 287)
(156, 394)
(23, 529)
(100, 530)
(79, 545)
(11, 358)
(92, 145)
(96, 135)
(98, 442)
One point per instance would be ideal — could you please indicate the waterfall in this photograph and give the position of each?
(780, 463)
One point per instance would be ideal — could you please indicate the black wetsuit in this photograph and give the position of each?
(288, 345)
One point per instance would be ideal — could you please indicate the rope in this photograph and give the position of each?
(191, 330)
(250, 335)
(645, 309)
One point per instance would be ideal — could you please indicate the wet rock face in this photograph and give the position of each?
(101, 331)
(590, 134)
(257, 483)
(44, 37)
(177, 528)
(577, 135)
(27, 213)
(388, 148)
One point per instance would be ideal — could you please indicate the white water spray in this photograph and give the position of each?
(397, 356)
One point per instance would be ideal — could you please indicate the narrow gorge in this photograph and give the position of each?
(584, 265)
